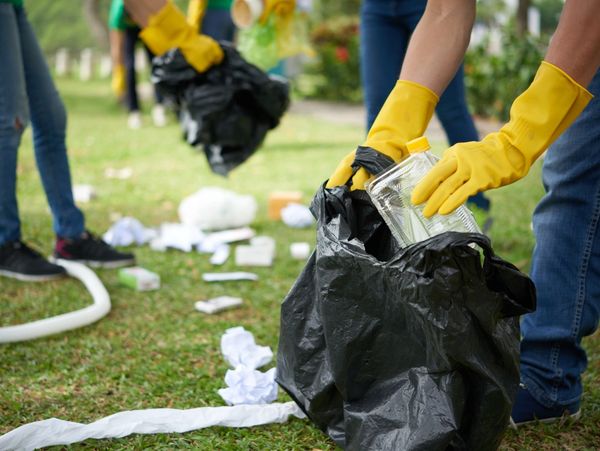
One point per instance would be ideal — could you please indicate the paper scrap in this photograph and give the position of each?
(83, 193)
(180, 236)
(297, 216)
(248, 386)
(127, 231)
(217, 305)
(41, 434)
(213, 240)
(239, 348)
(221, 255)
(118, 173)
(228, 276)
(300, 251)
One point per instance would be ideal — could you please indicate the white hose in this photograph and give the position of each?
(66, 321)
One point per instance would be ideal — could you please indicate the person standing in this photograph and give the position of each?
(28, 94)
(385, 30)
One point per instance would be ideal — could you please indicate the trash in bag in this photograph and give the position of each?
(401, 349)
(227, 110)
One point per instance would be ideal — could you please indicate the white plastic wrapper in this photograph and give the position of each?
(180, 236)
(239, 348)
(127, 231)
(248, 386)
(150, 421)
(217, 209)
(297, 216)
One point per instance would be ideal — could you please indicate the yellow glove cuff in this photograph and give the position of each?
(539, 115)
(195, 12)
(403, 117)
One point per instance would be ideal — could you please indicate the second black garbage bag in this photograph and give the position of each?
(401, 349)
(226, 110)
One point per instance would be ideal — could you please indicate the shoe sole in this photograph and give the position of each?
(574, 417)
(30, 278)
(97, 264)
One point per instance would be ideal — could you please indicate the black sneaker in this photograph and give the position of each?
(92, 251)
(19, 261)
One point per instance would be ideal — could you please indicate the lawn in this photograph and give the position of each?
(153, 349)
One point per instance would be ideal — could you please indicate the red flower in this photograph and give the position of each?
(342, 54)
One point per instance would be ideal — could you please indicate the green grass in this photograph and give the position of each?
(153, 349)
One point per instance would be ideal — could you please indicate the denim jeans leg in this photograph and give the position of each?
(49, 122)
(566, 263)
(14, 116)
(217, 24)
(383, 43)
(131, 38)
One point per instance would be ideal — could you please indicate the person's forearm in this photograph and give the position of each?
(141, 10)
(575, 46)
(439, 43)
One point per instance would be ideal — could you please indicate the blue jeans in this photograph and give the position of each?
(566, 263)
(28, 93)
(385, 29)
(217, 24)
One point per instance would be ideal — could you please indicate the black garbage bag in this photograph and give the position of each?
(226, 110)
(401, 349)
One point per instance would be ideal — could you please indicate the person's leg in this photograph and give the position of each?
(453, 113)
(217, 24)
(14, 116)
(49, 122)
(565, 269)
(383, 42)
(131, 37)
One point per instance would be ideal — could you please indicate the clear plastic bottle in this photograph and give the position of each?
(391, 191)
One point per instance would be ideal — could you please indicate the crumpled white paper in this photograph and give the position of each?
(127, 231)
(239, 349)
(297, 216)
(248, 386)
(180, 236)
(215, 208)
(150, 421)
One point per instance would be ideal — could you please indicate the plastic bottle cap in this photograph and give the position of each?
(420, 144)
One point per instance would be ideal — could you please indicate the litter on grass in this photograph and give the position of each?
(127, 231)
(217, 305)
(300, 251)
(83, 193)
(248, 386)
(139, 279)
(228, 276)
(297, 216)
(278, 200)
(220, 255)
(239, 348)
(118, 173)
(215, 208)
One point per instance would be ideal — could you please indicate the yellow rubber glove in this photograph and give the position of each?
(279, 7)
(168, 29)
(195, 13)
(537, 118)
(403, 117)
(118, 81)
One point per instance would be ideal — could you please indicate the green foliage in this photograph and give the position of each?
(494, 81)
(335, 74)
(61, 23)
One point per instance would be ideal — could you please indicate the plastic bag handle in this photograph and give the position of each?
(374, 162)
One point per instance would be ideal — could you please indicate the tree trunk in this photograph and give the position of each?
(522, 12)
(99, 30)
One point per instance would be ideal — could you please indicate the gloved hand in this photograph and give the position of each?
(279, 7)
(537, 118)
(118, 81)
(403, 117)
(168, 29)
(195, 12)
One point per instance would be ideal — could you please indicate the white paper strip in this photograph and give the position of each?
(150, 421)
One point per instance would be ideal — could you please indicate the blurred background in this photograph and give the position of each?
(509, 38)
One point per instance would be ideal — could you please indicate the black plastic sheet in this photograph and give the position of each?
(401, 349)
(226, 110)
